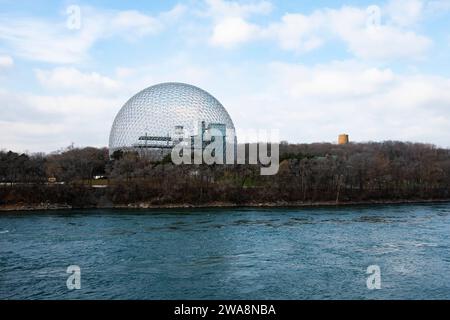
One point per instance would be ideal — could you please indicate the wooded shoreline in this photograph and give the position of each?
(308, 175)
(50, 207)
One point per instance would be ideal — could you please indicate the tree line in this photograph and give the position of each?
(86, 177)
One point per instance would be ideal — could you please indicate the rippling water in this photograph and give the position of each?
(319, 253)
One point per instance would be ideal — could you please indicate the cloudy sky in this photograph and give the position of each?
(311, 69)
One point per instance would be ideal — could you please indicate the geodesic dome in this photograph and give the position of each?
(160, 109)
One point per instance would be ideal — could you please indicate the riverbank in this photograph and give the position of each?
(280, 204)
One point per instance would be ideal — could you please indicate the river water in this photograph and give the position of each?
(286, 253)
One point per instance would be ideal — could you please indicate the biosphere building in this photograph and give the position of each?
(159, 117)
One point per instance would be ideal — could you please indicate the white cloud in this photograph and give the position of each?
(332, 81)
(388, 43)
(405, 12)
(381, 42)
(315, 103)
(232, 31)
(230, 26)
(178, 67)
(71, 79)
(13, 135)
(131, 20)
(73, 106)
(437, 6)
(37, 40)
(306, 32)
(173, 14)
(300, 32)
(224, 9)
(50, 122)
(6, 61)
(41, 40)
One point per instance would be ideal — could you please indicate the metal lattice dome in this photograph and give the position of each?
(160, 109)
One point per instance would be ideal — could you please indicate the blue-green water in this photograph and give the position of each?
(319, 253)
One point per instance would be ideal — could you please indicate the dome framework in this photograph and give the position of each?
(160, 116)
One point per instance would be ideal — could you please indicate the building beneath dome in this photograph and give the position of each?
(156, 119)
